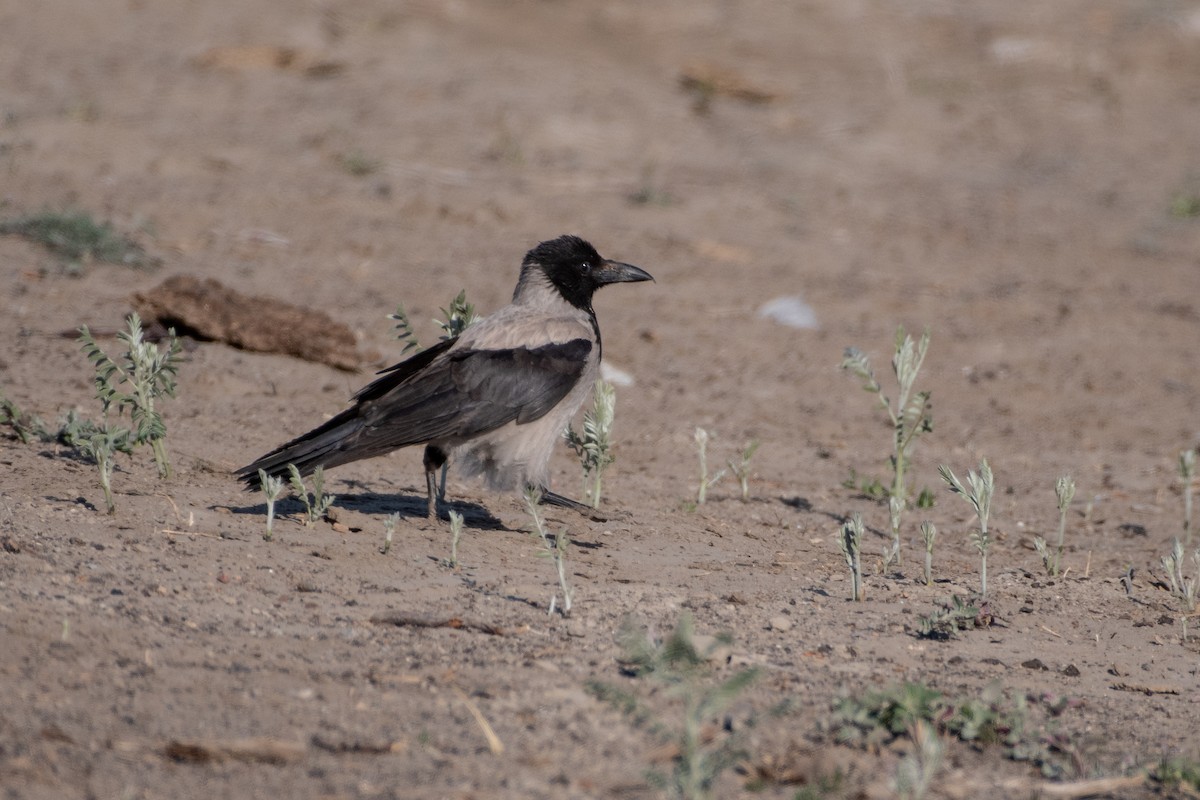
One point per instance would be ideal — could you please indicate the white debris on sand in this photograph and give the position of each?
(791, 311)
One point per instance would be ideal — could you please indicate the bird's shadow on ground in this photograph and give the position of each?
(355, 496)
(413, 507)
(379, 504)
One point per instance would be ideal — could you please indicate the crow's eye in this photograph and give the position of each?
(586, 268)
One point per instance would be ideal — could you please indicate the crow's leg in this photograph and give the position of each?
(435, 459)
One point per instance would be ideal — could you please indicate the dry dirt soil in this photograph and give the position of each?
(1021, 178)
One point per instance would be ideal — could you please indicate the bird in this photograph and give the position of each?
(494, 399)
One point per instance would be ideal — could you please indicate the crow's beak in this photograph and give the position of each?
(617, 272)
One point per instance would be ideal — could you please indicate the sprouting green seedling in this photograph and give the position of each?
(850, 542)
(272, 488)
(456, 528)
(404, 330)
(891, 550)
(1178, 772)
(1186, 205)
(143, 375)
(867, 486)
(684, 667)
(1187, 471)
(25, 426)
(320, 502)
(878, 716)
(979, 495)
(1064, 490)
(911, 415)
(947, 620)
(701, 437)
(594, 445)
(78, 238)
(102, 444)
(916, 771)
(458, 317)
(925, 498)
(73, 430)
(741, 469)
(553, 547)
(559, 555)
(1021, 726)
(389, 530)
(358, 163)
(928, 535)
(1185, 590)
(1043, 551)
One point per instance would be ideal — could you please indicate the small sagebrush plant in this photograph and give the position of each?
(891, 551)
(1178, 772)
(102, 443)
(865, 485)
(1064, 490)
(404, 330)
(272, 488)
(706, 482)
(948, 619)
(928, 535)
(978, 492)
(1187, 471)
(320, 502)
(553, 547)
(875, 718)
(1183, 589)
(850, 542)
(456, 528)
(389, 531)
(594, 444)
(698, 698)
(741, 469)
(78, 238)
(140, 377)
(458, 317)
(1022, 726)
(910, 416)
(358, 163)
(916, 771)
(25, 426)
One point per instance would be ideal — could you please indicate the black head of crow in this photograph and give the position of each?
(576, 270)
(493, 400)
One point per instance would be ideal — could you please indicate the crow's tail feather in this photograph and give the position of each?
(326, 446)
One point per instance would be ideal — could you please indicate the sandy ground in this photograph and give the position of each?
(1014, 176)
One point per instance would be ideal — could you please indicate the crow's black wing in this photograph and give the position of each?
(470, 392)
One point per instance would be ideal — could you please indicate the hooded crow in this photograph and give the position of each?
(494, 399)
